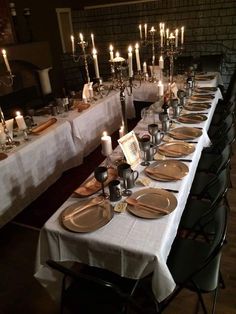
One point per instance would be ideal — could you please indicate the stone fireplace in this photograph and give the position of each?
(25, 61)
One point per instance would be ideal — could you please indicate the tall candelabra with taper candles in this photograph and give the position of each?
(146, 40)
(170, 46)
(125, 86)
(84, 59)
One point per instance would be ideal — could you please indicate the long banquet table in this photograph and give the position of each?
(36, 164)
(128, 245)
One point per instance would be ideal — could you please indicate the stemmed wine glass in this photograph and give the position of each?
(101, 175)
(144, 143)
(153, 130)
(124, 171)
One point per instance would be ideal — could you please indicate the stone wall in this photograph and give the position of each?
(210, 29)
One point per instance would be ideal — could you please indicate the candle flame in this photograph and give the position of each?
(4, 52)
(72, 38)
(117, 54)
(136, 46)
(129, 49)
(94, 51)
(111, 48)
(161, 58)
(140, 27)
(17, 113)
(104, 133)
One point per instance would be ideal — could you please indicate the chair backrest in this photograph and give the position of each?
(206, 275)
(218, 187)
(222, 161)
(225, 139)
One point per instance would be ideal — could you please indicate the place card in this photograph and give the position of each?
(144, 181)
(120, 207)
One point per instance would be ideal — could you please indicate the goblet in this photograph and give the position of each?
(153, 130)
(144, 143)
(124, 171)
(101, 174)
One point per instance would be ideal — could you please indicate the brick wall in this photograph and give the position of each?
(210, 29)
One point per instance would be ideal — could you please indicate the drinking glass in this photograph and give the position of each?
(124, 171)
(144, 143)
(101, 175)
(153, 130)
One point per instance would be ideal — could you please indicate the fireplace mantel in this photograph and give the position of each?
(36, 53)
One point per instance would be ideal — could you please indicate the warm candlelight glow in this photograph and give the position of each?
(137, 57)
(161, 63)
(140, 31)
(152, 30)
(92, 38)
(176, 37)
(111, 53)
(130, 62)
(117, 54)
(72, 43)
(18, 113)
(182, 35)
(145, 31)
(4, 54)
(81, 37)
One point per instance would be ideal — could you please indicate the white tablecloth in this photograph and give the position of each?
(130, 246)
(33, 166)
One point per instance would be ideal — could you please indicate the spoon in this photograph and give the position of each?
(134, 202)
(94, 201)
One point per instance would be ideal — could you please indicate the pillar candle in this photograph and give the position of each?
(20, 121)
(92, 38)
(144, 67)
(137, 57)
(160, 87)
(182, 35)
(72, 44)
(95, 60)
(130, 61)
(4, 54)
(111, 53)
(161, 63)
(176, 37)
(106, 144)
(140, 31)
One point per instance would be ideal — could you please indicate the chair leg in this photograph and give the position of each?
(214, 300)
(202, 302)
(221, 281)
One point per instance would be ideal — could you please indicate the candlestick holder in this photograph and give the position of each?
(10, 143)
(123, 83)
(153, 43)
(83, 58)
(99, 88)
(171, 50)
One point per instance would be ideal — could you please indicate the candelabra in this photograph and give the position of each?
(85, 59)
(171, 49)
(119, 81)
(8, 83)
(149, 42)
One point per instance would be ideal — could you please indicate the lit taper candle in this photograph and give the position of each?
(95, 60)
(130, 61)
(137, 57)
(4, 54)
